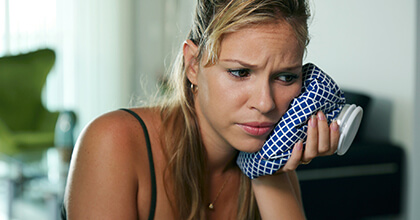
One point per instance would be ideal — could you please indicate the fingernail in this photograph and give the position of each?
(312, 121)
(299, 145)
(321, 116)
(334, 125)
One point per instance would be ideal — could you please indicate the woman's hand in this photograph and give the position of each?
(322, 140)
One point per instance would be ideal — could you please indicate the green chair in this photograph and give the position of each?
(25, 124)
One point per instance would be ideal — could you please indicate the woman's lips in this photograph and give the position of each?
(256, 128)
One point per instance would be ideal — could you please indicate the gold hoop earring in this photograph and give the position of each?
(194, 88)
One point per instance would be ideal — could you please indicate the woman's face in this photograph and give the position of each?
(241, 98)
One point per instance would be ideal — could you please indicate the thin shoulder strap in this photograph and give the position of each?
(151, 164)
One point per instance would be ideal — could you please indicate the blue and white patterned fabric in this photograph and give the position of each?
(319, 92)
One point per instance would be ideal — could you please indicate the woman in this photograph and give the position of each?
(233, 80)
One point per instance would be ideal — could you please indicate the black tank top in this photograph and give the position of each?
(151, 167)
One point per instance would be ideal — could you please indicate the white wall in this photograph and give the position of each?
(414, 174)
(161, 27)
(97, 53)
(370, 46)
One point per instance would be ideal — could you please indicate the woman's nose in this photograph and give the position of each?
(262, 98)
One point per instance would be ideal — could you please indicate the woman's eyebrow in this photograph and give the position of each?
(294, 67)
(242, 63)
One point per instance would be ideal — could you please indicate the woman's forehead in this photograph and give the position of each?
(255, 40)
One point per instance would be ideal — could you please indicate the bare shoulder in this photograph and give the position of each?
(118, 130)
(108, 155)
(116, 137)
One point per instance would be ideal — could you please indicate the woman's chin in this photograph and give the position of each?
(250, 147)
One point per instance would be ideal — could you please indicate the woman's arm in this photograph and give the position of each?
(102, 182)
(278, 196)
(294, 180)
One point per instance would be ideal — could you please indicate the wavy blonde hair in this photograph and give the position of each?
(185, 151)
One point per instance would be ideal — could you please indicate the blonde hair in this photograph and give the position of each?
(185, 151)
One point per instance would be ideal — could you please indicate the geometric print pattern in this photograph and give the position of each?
(319, 92)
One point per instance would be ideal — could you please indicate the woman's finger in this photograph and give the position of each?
(311, 147)
(295, 158)
(334, 137)
(323, 134)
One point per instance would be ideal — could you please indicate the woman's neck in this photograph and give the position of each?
(219, 159)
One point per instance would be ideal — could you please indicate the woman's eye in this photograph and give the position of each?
(287, 77)
(240, 73)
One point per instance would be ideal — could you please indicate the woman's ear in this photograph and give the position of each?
(190, 60)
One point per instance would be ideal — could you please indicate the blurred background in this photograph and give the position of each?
(101, 55)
